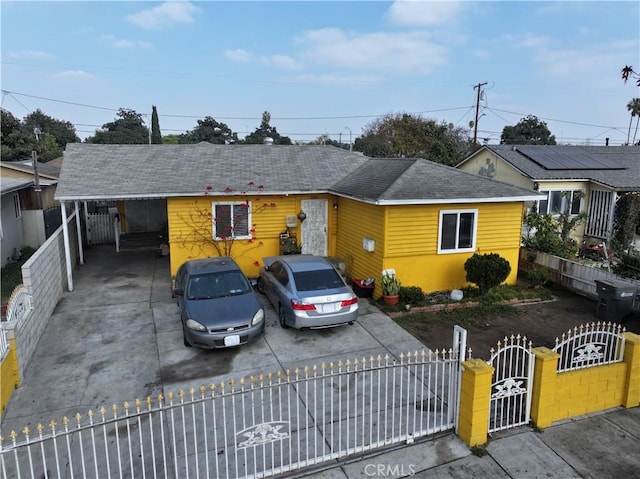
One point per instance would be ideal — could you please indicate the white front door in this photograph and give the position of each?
(314, 227)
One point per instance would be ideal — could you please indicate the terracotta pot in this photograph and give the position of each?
(391, 300)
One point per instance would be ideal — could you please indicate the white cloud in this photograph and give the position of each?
(164, 15)
(238, 55)
(280, 61)
(422, 13)
(73, 75)
(338, 79)
(404, 52)
(31, 55)
(131, 44)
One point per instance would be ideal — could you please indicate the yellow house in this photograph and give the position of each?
(251, 201)
(577, 179)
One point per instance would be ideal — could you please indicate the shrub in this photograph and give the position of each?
(487, 270)
(411, 295)
(538, 276)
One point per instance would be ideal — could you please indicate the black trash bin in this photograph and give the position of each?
(615, 300)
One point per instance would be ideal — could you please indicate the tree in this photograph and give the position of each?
(19, 140)
(629, 72)
(127, 129)
(528, 131)
(266, 130)
(63, 132)
(17, 143)
(211, 131)
(411, 136)
(634, 108)
(156, 136)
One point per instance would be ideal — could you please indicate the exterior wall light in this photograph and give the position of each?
(302, 216)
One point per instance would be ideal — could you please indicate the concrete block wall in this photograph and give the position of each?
(45, 276)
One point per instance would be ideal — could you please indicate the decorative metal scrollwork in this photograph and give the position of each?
(262, 434)
(510, 387)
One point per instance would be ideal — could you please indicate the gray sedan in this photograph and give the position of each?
(307, 292)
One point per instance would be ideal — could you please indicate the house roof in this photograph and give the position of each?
(50, 169)
(418, 181)
(159, 171)
(617, 167)
(96, 172)
(8, 185)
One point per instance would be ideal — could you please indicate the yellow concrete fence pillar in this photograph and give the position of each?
(543, 393)
(631, 396)
(9, 372)
(475, 399)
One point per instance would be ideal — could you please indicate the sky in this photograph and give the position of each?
(325, 67)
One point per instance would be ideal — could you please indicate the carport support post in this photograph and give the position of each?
(543, 393)
(475, 401)
(67, 249)
(79, 232)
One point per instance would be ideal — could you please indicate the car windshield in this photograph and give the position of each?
(317, 280)
(217, 285)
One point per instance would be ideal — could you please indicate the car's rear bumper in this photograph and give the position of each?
(324, 321)
(217, 340)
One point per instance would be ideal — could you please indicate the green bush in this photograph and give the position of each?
(411, 295)
(538, 276)
(487, 270)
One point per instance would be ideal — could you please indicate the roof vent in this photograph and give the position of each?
(267, 140)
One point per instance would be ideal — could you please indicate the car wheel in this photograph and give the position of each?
(260, 286)
(281, 317)
(184, 340)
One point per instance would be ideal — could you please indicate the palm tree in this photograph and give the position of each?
(634, 108)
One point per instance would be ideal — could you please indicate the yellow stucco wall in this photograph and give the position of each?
(268, 215)
(406, 239)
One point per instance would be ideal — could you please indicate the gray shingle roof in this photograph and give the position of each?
(139, 171)
(160, 171)
(401, 180)
(626, 179)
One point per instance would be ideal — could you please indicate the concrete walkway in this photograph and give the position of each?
(117, 337)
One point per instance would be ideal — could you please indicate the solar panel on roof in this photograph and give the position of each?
(559, 158)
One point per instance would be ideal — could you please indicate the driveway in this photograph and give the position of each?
(117, 337)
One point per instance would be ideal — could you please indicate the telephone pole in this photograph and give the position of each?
(475, 125)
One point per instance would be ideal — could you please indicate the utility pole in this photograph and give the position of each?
(34, 160)
(475, 125)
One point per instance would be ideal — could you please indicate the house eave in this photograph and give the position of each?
(445, 201)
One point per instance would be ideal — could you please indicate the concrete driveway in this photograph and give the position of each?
(117, 337)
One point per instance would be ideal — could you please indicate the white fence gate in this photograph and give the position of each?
(100, 228)
(511, 384)
(258, 427)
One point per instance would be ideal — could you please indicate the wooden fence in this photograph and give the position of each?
(574, 276)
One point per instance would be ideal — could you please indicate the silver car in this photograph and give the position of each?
(218, 306)
(307, 292)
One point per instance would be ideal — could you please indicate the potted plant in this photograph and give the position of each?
(390, 289)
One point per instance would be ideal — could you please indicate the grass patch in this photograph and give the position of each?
(11, 274)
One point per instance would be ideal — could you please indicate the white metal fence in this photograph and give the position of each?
(591, 344)
(258, 427)
(510, 403)
(4, 342)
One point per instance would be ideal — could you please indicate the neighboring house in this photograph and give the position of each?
(420, 218)
(580, 179)
(48, 174)
(11, 221)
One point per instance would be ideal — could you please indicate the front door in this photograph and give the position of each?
(314, 227)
